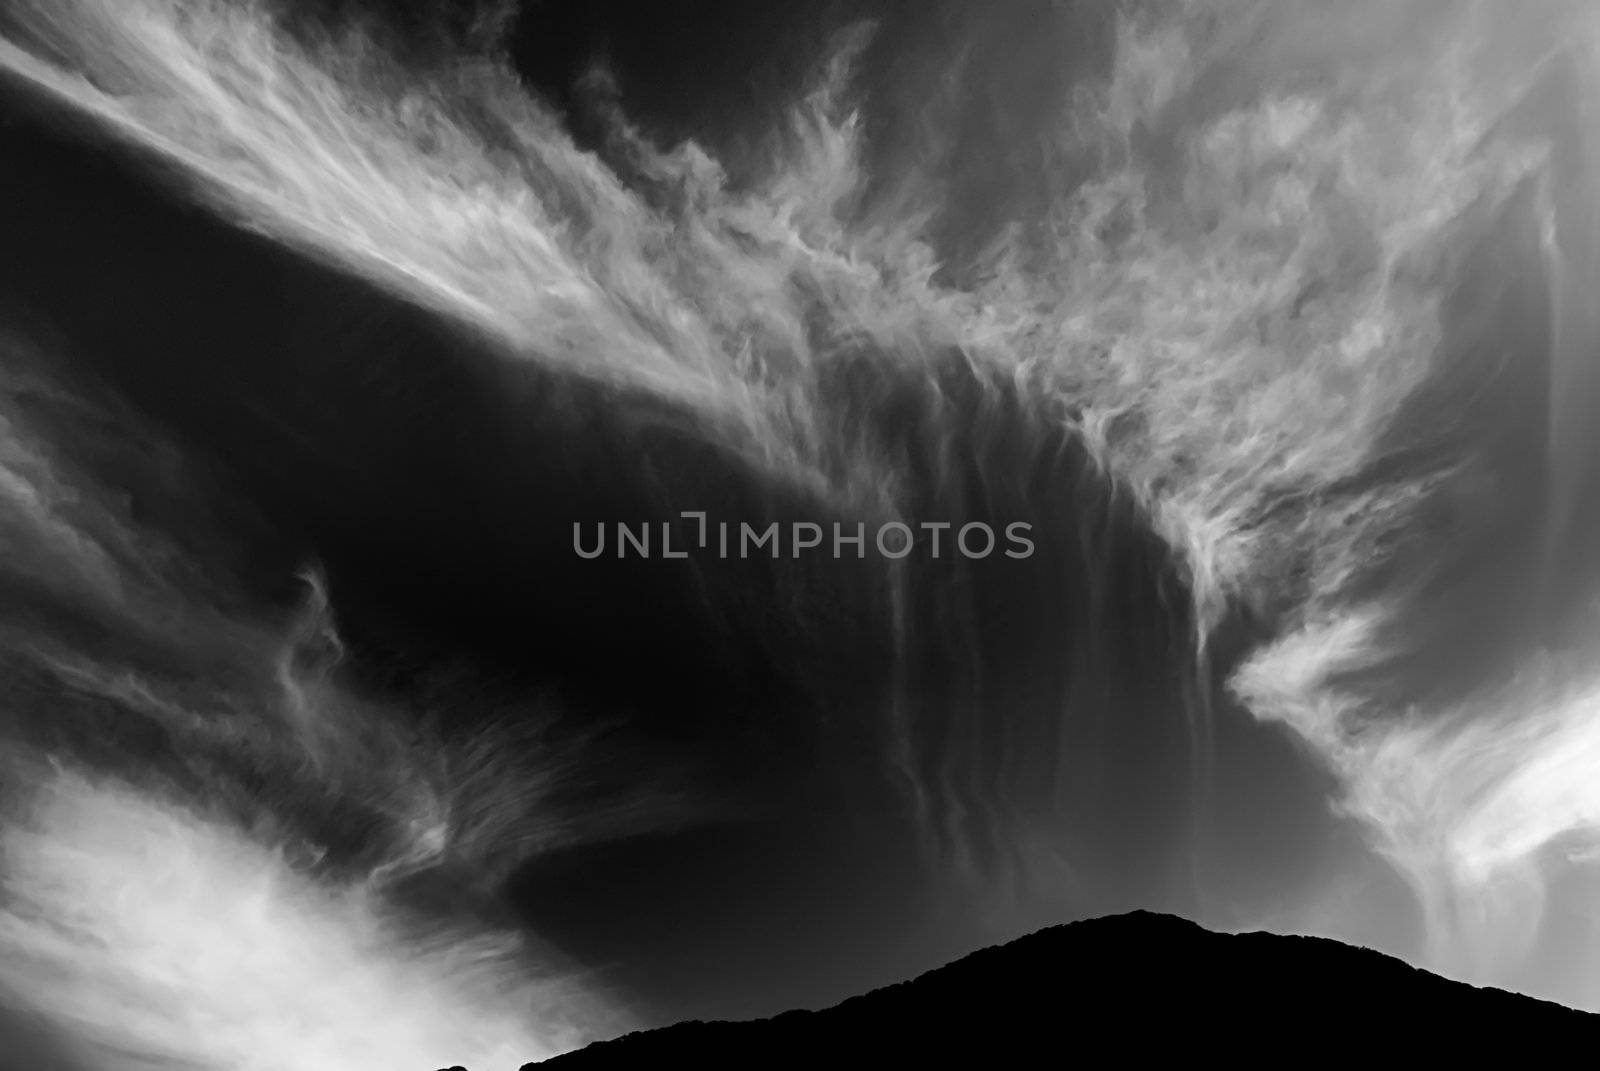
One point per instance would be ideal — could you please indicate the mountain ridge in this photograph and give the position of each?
(1120, 975)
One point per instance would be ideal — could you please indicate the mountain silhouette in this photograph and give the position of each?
(1121, 987)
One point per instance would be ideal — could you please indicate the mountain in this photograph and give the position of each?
(1121, 988)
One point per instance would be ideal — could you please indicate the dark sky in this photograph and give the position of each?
(772, 783)
(437, 487)
(436, 484)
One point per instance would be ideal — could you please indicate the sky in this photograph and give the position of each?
(332, 332)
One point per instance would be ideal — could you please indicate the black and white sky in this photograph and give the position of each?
(331, 333)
